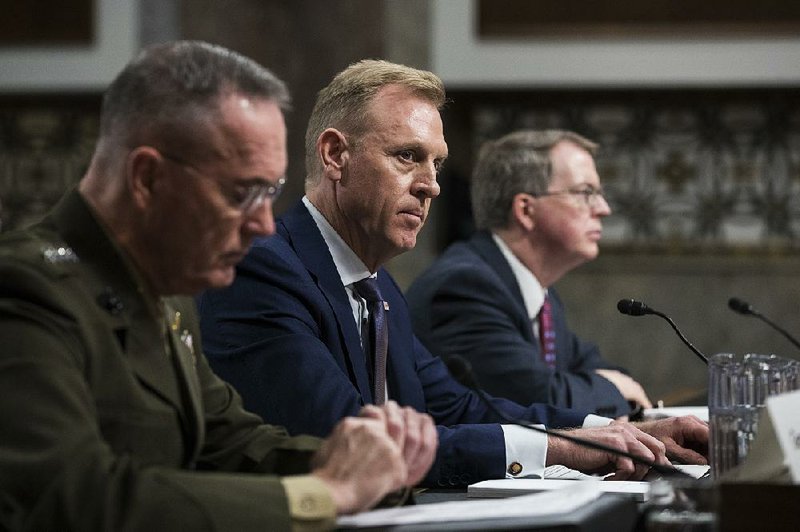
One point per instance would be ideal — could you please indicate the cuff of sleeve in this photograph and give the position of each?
(310, 503)
(596, 421)
(526, 451)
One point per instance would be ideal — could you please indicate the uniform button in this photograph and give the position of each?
(110, 302)
(515, 468)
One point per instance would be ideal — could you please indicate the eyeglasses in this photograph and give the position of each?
(591, 195)
(245, 198)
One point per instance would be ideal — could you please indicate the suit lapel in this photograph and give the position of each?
(484, 246)
(300, 230)
(181, 343)
(150, 360)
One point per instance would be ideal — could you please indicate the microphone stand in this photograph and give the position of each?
(746, 309)
(632, 307)
(681, 336)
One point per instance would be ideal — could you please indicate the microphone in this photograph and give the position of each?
(632, 307)
(461, 370)
(746, 309)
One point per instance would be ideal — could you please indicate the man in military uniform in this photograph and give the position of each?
(110, 417)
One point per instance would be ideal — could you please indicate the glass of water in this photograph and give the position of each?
(737, 391)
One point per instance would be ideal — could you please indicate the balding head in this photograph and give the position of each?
(171, 90)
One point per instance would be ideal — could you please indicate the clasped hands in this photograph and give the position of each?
(386, 448)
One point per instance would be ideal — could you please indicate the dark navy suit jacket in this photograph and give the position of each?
(469, 303)
(284, 335)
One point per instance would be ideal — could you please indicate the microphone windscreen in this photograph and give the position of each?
(624, 306)
(631, 307)
(737, 305)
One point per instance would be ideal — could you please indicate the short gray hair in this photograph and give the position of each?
(169, 86)
(517, 162)
(343, 104)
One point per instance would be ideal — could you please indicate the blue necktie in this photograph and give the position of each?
(378, 335)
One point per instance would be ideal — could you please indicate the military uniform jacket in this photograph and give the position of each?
(108, 410)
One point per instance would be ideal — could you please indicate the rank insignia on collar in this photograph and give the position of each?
(176, 321)
(56, 255)
(186, 339)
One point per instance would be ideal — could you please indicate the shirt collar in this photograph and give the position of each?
(532, 292)
(351, 269)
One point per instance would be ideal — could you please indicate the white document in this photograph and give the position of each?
(561, 472)
(672, 411)
(694, 471)
(558, 477)
(507, 487)
(557, 502)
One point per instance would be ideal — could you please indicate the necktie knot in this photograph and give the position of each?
(368, 289)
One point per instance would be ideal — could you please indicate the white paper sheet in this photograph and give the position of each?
(565, 477)
(670, 411)
(541, 504)
(507, 487)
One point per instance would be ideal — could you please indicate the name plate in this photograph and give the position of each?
(784, 413)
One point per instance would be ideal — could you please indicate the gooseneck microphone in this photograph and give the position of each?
(632, 307)
(461, 370)
(746, 309)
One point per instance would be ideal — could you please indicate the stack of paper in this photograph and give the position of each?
(508, 487)
(559, 477)
(539, 505)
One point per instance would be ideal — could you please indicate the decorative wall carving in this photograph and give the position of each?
(45, 147)
(684, 170)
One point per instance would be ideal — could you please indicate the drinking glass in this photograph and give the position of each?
(737, 392)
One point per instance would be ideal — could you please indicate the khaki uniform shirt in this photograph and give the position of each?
(110, 418)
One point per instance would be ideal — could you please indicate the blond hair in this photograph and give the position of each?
(344, 103)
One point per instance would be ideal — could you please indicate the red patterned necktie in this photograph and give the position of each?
(378, 335)
(547, 334)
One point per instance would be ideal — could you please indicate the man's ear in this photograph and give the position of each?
(333, 152)
(522, 211)
(143, 169)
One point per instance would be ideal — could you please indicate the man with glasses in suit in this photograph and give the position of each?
(538, 205)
